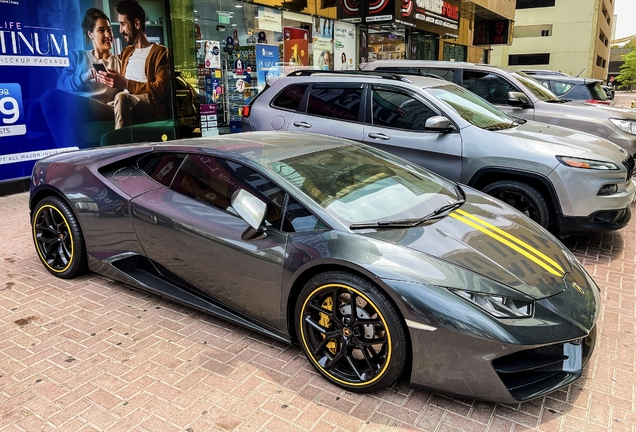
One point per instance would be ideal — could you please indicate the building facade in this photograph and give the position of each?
(572, 36)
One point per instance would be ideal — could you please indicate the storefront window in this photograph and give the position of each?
(386, 43)
(454, 52)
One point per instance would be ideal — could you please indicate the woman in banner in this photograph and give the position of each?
(79, 99)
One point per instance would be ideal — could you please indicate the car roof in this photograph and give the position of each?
(567, 79)
(260, 147)
(439, 64)
(356, 76)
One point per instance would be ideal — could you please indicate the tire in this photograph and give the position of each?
(340, 346)
(58, 238)
(522, 197)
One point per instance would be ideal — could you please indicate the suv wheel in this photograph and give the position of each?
(522, 197)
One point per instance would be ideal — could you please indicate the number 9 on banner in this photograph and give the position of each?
(11, 110)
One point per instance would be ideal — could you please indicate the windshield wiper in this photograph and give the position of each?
(410, 223)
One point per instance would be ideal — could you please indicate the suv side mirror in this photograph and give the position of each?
(252, 210)
(439, 124)
(518, 99)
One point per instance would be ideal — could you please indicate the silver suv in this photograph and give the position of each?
(565, 180)
(520, 95)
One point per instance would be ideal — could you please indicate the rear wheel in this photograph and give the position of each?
(350, 332)
(58, 238)
(522, 197)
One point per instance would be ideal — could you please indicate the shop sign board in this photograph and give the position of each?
(209, 120)
(269, 19)
(426, 13)
(359, 11)
(49, 100)
(344, 46)
(492, 33)
(296, 46)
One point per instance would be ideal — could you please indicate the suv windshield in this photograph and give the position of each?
(535, 87)
(472, 108)
(357, 186)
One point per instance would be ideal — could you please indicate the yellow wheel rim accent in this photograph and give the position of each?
(389, 348)
(37, 243)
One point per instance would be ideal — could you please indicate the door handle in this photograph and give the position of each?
(302, 124)
(380, 136)
(145, 215)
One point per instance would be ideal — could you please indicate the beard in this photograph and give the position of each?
(132, 36)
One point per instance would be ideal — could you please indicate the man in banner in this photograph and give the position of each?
(145, 71)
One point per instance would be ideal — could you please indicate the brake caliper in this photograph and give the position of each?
(325, 322)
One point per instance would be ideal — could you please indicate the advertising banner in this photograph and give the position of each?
(359, 11)
(344, 46)
(61, 84)
(296, 46)
(212, 50)
(266, 64)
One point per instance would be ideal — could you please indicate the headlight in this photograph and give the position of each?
(628, 126)
(586, 163)
(498, 306)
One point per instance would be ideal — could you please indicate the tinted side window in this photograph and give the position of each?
(299, 219)
(342, 103)
(213, 181)
(290, 97)
(578, 92)
(399, 110)
(161, 167)
(447, 74)
(489, 86)
(561, 88)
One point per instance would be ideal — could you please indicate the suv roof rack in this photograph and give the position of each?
(399, 76)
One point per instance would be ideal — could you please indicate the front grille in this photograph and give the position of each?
(629, 165)
(533, 372)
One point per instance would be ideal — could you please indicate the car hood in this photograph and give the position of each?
(566, 142)
(492, 239)
(610, 110)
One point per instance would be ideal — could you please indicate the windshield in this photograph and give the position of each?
(364, 185)
(535, 87)
(472, 108)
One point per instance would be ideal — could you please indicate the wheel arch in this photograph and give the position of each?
(305, 276)
(47, 191)
(487, 176)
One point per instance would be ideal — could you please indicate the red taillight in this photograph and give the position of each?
(245, 111)
(592, 101)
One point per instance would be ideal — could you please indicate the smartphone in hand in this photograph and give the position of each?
(99, 67)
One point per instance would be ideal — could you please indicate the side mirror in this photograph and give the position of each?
(252, 210)
(439, 124)
(518, 99)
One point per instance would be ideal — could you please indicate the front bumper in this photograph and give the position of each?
(599, 221)
(492, 371)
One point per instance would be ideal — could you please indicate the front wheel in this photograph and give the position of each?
(58, 238)
(350, 332)
(522, 197)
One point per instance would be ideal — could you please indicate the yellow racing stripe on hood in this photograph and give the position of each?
(509, 240)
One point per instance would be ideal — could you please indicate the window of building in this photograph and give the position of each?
(528, 59)
(545, 32)
(531, 4)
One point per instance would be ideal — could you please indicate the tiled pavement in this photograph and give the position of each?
(91, 354)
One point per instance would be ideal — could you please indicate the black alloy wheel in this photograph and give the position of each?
(523, 198)
(58, 238)
(350, 332)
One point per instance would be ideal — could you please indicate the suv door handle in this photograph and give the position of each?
(380, 136)
(302, 124)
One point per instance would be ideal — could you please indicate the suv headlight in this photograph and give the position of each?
(498, 306)
(586, 163)
(628, 126)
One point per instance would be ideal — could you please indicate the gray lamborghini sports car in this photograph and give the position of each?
(374, 266)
